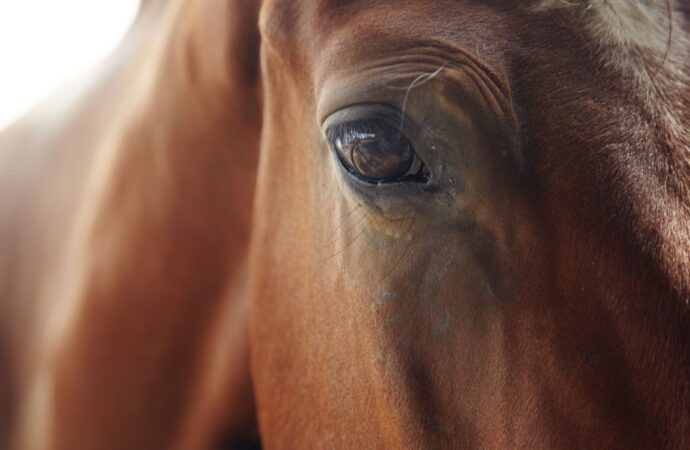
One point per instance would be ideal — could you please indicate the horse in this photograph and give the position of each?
(356, 224)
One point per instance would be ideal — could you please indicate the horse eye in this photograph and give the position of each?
(373, 151)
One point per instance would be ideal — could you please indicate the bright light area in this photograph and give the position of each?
(44, 43)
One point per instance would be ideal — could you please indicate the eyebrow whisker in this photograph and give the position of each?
(420, 80)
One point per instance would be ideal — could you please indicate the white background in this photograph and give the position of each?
(46, 42)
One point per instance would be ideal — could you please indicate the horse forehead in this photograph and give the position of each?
(297, 23)
(639, 24)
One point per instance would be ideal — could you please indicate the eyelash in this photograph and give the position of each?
(350, 129)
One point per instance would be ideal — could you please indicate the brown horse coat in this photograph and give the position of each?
(186, 256)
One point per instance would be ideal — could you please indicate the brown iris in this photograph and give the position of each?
(373, 151)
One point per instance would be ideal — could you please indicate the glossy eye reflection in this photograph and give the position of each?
(374, 151)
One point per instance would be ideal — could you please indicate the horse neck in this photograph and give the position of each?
(194, 65)
(185, 117)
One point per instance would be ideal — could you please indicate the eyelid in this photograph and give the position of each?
(359, 113)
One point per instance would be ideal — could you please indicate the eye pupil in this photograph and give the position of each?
(375, 153)
(382, 158)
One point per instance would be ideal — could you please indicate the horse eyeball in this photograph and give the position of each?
(379, 155)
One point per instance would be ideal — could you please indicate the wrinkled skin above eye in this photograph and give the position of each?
(373, 151)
